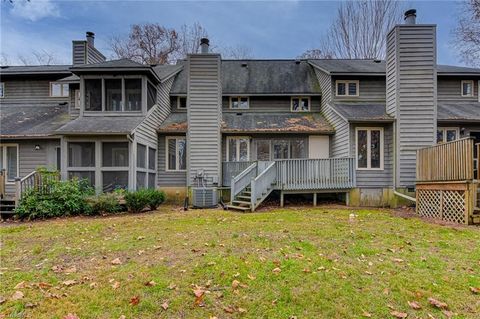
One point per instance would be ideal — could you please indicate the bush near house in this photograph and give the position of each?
(63, 198)
(155, 198)
(108, 203)
(144, 198)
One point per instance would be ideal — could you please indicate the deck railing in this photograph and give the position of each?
(3, 178)
(40, 181)
(242, 180)
(231, 169)
(263, 184)
(314, 174)
(451, 161)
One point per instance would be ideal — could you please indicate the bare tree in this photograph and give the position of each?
(467, 33)
(189, 39)
(238, 52)
(42, 57)
(315, 54)
(149, 43)
(360, 28)
(4, 59)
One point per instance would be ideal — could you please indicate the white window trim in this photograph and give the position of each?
(61, 89)
(369, 149)
(238, 99)
(445, 129)
(2, 84)
(300, 99)
(473, 88)
(347, 82)
(176, 138)
(4, 160)
(237, 146)
(178, 102)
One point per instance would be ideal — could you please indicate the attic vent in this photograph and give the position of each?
(377, 60)
(244, 64)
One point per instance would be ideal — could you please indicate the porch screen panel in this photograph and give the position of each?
(141, 179)
(151, 180)
(93, 94)
(133, 94)
(113, 94)
(298, 149)
(141, 155)
(113, 180)
(115, 154)
(263, 150)
(12, 162)
(280, 149)
(81, 154)
(83, 175)
(151, 95)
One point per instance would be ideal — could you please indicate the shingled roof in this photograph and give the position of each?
(362, 112)
(35, 69)
(340, 66)
(92, 125)
(454, 112)
(261, 77)
(32, 121)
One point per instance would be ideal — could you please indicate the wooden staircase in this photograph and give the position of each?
(243, 201)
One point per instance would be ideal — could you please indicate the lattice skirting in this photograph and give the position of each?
(447, 205)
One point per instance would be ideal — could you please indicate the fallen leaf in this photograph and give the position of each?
(116, 261)
(17, 295)
(475, 290)
(71, 270)
(2, 300)
(251, 277)
(212, 263)
(276, 270)
(165, 305)
(199, 294)
(242, 310)
(414, 305)
(398, 260)
(306, 270)
(71, 316)
(44, 285)
(93, 285)
(140, 238)
(399, 315)
(122, 317)
(437, 303)
(448, 313)
(135, 300)
(229, 309)
(172, 286)
(30, 305)
(235, 284)
(150, 283)
(20, 285)
(116, 285)
(70, 282)
(366, 314)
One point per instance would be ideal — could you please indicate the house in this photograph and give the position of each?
(242, 128)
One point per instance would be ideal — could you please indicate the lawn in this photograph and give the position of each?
(282, 263)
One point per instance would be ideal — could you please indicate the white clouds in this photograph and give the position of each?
(34, 9)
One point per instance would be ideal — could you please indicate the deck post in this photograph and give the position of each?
(18, 190)
(314, 199)
(281, 199)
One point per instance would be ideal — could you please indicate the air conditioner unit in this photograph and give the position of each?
(204, 197)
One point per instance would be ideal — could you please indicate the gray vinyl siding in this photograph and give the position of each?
(147, 129)
(167, 178)
(266, 104)
(340, 140)
(79, 52)
(371, 89)
(391, 74)
(375, 178)
(449, 89)
(29, 93)
(204, 116)
(416, 100)
(94, 56)
(31, 159)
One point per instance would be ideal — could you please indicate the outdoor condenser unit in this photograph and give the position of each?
(204, 197)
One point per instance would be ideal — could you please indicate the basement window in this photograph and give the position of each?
(369, 148)
(467, 88)
(300, 104)
(347, 88)
(239, 102)
(58, 89)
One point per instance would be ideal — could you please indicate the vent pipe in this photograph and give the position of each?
(91, 39)
(204, 44)
(410, 16)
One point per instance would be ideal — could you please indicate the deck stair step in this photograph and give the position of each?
(241, 202)
(244, 197)
(7, 207)
(242, 208)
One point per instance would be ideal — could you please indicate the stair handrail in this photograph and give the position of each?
(3, 177)
(242, 180)
(261, 184)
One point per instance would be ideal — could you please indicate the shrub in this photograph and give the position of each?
(104, 204)
(136, 201)
(56, 198)
(155, 198)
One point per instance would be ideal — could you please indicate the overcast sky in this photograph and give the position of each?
(283, 29)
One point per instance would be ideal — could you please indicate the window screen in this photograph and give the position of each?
(141, 155)
(93, 94)
(81, 154)
(133, 94)
(115, 154)
(114, 180)
(113, 95)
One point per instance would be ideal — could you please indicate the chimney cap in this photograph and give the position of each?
(90, 34)
(411, 12)
(205, 41)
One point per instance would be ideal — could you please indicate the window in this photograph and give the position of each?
(239, 102)
(467, 88)
(288, 148)
(141, 156)
(9, 161)
(347, 88)
(119, 94)
(182, 102)
(58, 158)
(447, 134)
(151, 95)
(176, 150)
(300, 104)
(280, 149)
(58, 89)
(146, 172)
(369, 144)
(2, 89)
(77, 99)
(238, 149)
(93, 95)
(114, 166)
(263, 150)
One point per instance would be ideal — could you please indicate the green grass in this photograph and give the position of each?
(330, 267)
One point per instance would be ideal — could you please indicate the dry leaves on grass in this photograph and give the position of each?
(414, 305)
(150, 283)
(116, 261)
(475, 290)
(165, 305)
(71, 316)
(69, 283)
(399, 315)
(437, 303)
(135, 300)
(17, 295)
(199, 294)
